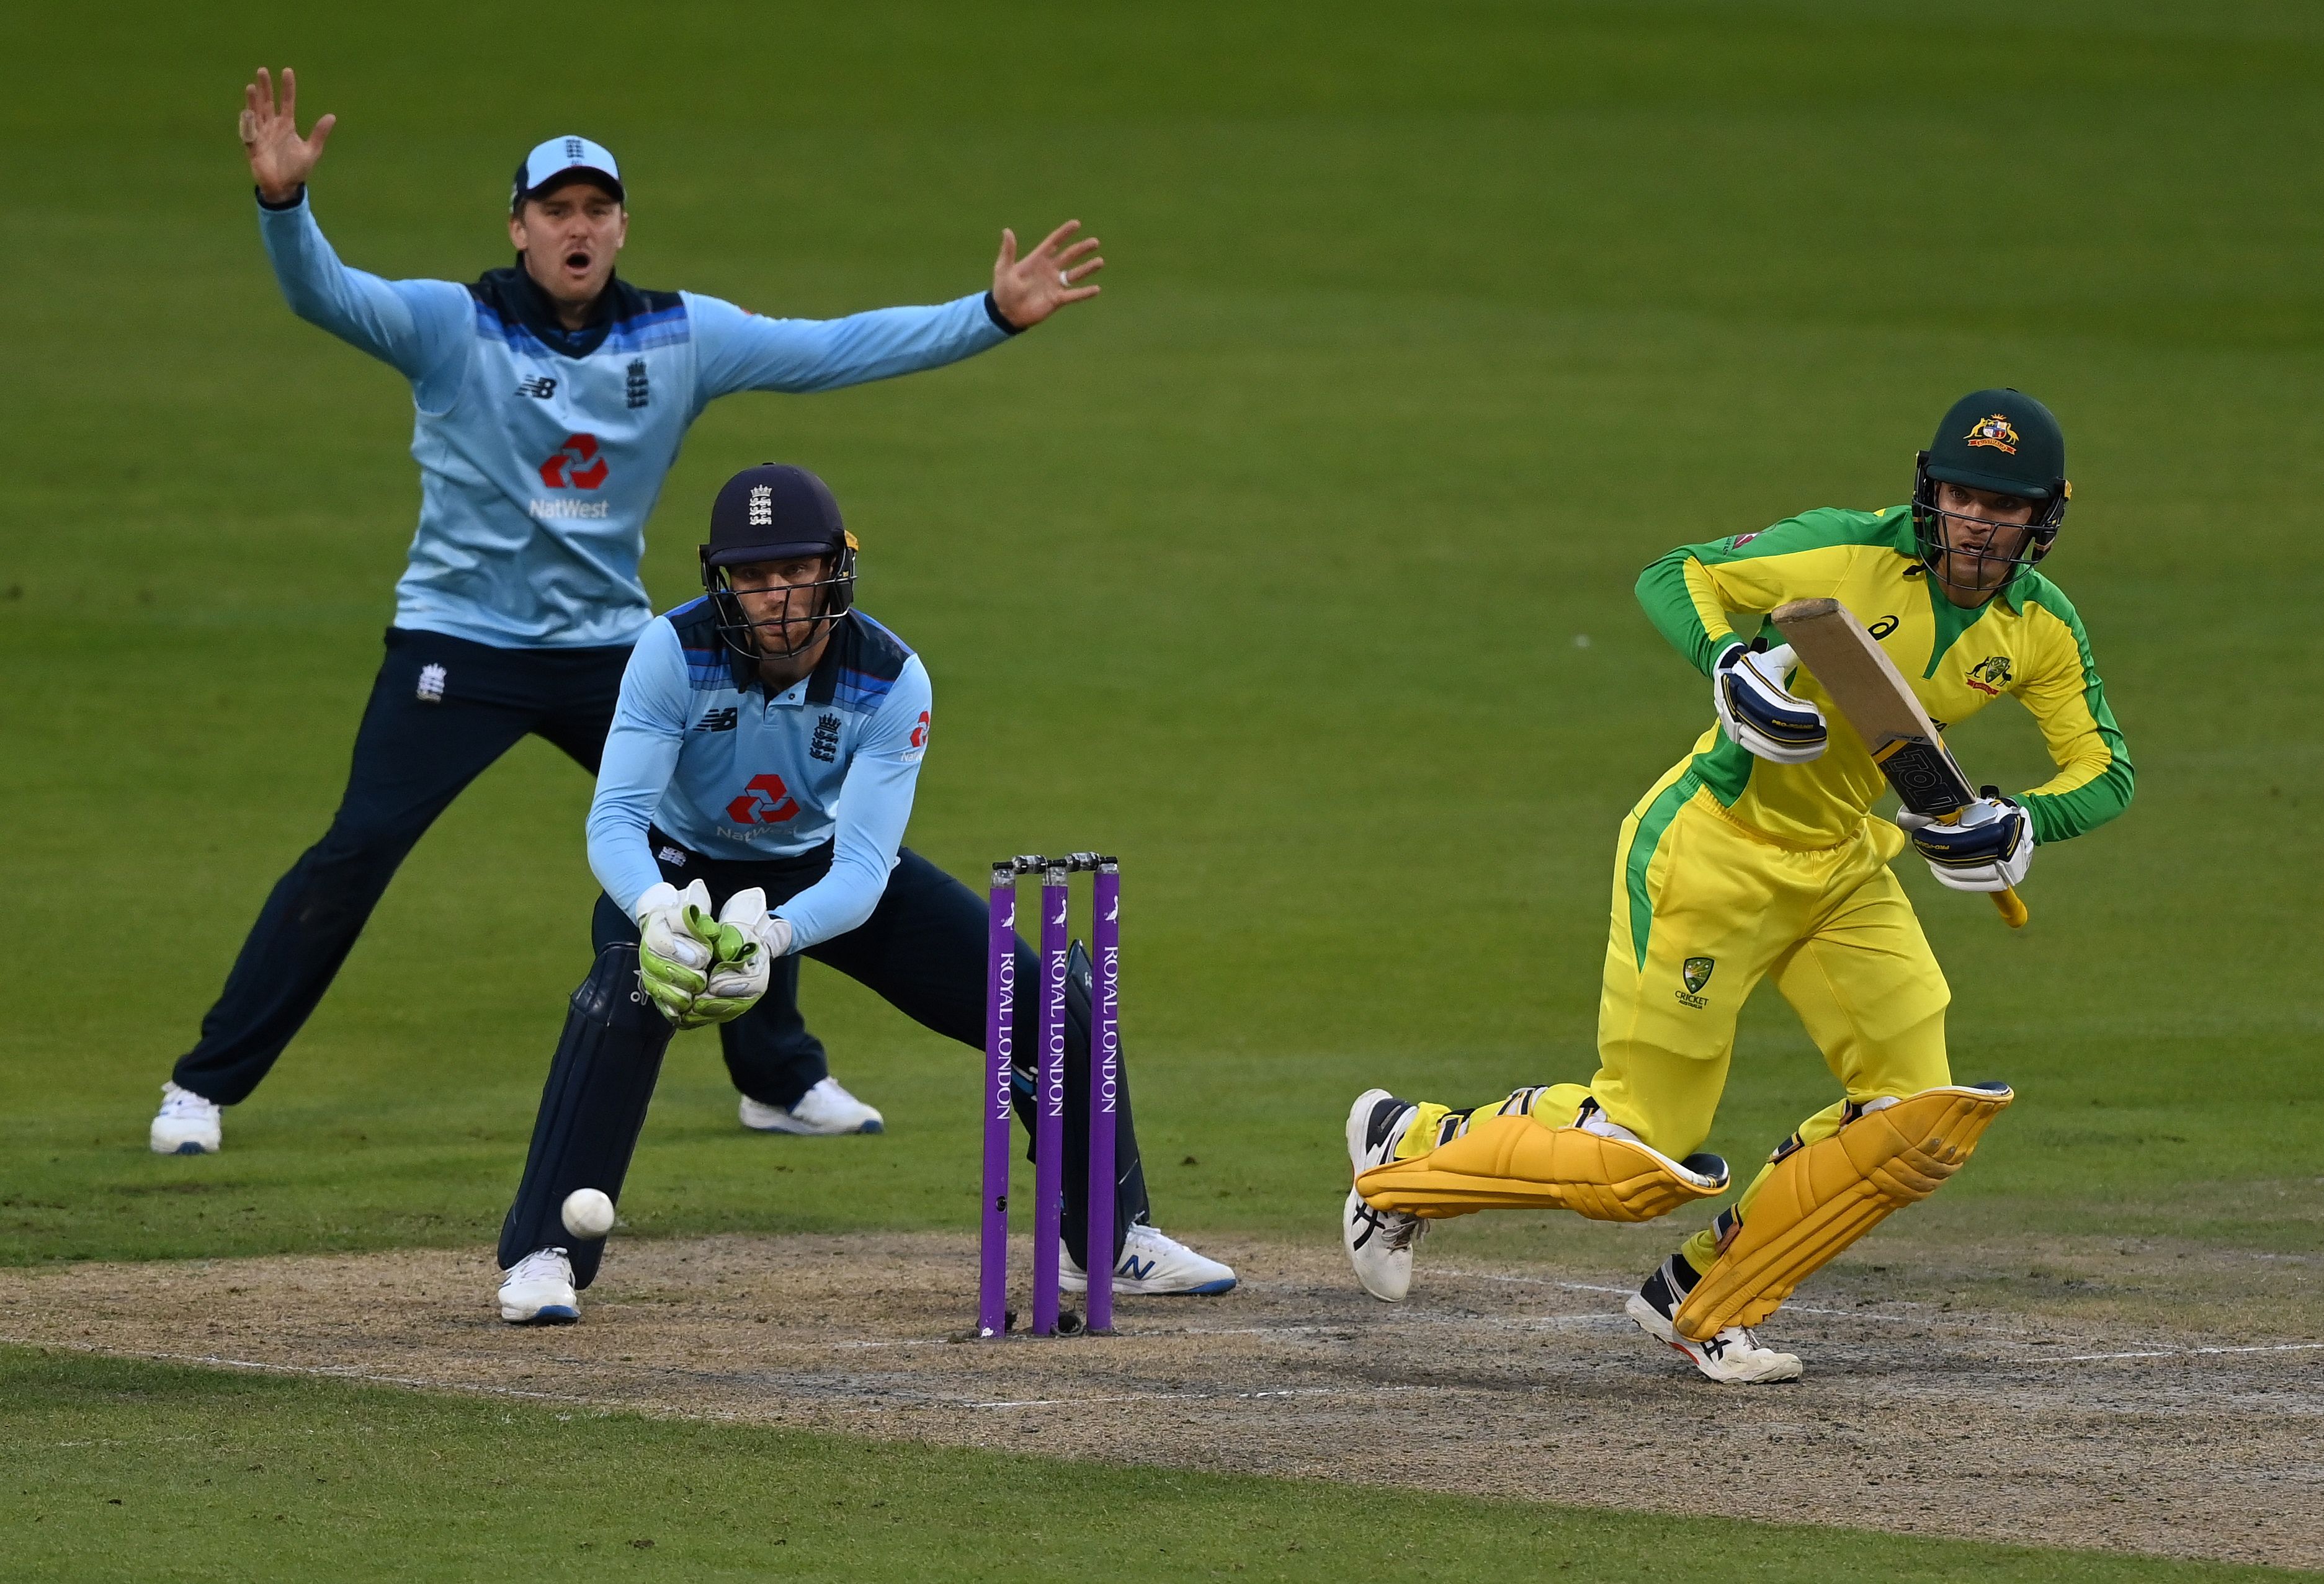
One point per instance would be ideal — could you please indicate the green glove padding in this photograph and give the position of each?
(730, 948)
(671, 985)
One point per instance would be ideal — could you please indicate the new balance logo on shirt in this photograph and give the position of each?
(718, 721)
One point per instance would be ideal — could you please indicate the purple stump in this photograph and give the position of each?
(1000, 1012)
(1049, 1099)
(1105, 1083)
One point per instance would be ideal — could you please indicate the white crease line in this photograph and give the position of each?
(1195, 1396)
(1938, 1318)
(1385, 1325)
(2178, 1352)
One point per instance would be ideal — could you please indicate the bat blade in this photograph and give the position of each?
(1876, 702)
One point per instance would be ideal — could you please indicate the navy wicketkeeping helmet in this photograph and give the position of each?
(777, 512)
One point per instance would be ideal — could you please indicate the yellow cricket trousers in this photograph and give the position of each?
(1704, 907)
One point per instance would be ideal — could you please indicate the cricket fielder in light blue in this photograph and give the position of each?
(763, 758)
(550, 400)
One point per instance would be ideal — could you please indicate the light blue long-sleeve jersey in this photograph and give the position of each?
(541, 451)
(702, 752)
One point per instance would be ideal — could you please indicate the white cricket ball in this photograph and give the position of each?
(588, 1213)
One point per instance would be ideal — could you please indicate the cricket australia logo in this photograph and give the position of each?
(1696, 971)
(1995, 433)
(762, 506)
(432, 684)
(1991, 675)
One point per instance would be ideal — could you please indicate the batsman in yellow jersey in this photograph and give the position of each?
(1758, 855)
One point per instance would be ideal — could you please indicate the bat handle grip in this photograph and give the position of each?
(2012, 906)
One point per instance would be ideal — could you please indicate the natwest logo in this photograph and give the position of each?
(768, 802)
(577, 466)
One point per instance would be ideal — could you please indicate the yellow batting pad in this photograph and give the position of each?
(1817, 1200)
(1515, 1163)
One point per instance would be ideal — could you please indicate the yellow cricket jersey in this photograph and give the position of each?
(2028, 641)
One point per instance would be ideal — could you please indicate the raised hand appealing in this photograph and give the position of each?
(1027, 290)
(280, 160)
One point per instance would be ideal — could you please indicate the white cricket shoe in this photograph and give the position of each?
(187, 1124)
(1379, 1241)
(1153, 1265)
(539, 1290)
(825, 1109)
(1732, 1357)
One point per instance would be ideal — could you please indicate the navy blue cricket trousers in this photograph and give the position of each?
(442, 709)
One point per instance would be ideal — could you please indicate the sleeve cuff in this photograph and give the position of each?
(992, 310)
(300, 196)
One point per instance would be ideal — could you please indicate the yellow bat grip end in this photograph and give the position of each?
(2012, 906)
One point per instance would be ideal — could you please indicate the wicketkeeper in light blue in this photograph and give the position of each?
(550, 400)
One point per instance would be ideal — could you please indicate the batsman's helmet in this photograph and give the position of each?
(777, 512)
(2004, 441)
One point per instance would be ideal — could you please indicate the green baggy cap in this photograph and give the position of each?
(2000, 440)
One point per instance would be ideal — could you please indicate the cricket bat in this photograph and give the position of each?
(1878, 703)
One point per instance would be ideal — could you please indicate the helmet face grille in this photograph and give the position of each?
(1929, 520)
(834, 595)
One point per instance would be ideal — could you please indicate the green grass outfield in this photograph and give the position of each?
(1272, 568)
(142, 1471)
(1297, 568)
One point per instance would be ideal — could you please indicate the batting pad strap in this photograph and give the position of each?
(1515, 1163)
(1820, 1199)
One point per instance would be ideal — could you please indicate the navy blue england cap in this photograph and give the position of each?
(771, 512)
(563, 157)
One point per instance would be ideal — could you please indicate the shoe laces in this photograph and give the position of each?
(1154, 1237)
(826, 1093)
(1397, 1230)
(541, 1262)
(185, 1103)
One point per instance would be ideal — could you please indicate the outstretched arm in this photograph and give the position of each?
(740, 351)
(419, 326)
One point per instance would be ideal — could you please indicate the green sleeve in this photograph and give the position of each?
(1669, 602)
(1688, 592)
(2096, 778)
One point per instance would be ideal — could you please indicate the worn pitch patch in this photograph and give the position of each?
(2104, 1421)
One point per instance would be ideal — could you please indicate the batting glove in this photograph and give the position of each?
(744, 942)
(1988, 848)
(672, 959)
(1757, 712)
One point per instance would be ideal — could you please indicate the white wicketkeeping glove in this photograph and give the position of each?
(673, 959)
(743, 945)
(1988, 848)
(1759, 712)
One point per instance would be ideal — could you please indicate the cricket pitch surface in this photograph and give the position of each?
(2085, 1410)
